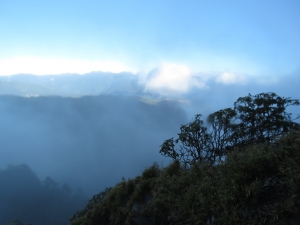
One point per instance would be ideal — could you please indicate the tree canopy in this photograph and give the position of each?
(253, 120)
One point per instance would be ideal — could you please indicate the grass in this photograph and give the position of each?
(261, 185)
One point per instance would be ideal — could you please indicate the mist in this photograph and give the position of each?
(72, 146)
(26, 198)
(88, 142)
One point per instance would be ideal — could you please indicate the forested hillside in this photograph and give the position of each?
(240, 166)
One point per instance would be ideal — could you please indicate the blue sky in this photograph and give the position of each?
(239, 38)
(205, 53)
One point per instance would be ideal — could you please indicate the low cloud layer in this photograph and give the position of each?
(231, 78)
(177, 80)
(93, 141)
(46, 66)
(170, 80)
(173, 79)
(170, 77)
(166, 79)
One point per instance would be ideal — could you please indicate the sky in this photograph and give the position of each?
(205, 53)
(235, 39)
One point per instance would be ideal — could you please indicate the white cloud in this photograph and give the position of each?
(44, 66)
(230, 78)
(172, 78)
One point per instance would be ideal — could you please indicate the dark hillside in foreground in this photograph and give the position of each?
(260, 186)
(240, 165)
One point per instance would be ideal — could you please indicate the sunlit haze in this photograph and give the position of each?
(91, 89)
(52, 37)
(46, 66)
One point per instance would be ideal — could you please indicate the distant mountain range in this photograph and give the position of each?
(70, 85)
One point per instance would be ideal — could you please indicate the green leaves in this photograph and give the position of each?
(222, 129)
(263, 116)
(167, 149)
(254, 119)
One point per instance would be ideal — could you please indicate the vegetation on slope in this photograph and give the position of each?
(255, 182)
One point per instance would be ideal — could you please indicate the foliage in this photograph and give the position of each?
(194, 139)
(211, 181)
(254, 119)
(95, 199)
(263, 116)
(257, 186)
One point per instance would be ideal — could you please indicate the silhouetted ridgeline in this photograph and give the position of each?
(23, 196)
(78, 141)
(72, 85)
(83, 136)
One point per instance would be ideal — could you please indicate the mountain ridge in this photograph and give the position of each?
(70, 85)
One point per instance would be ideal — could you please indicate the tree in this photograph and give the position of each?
(263, 117)
(201, 143)
(194, 143)
(222, 125)
(254, 119)
(50, 183)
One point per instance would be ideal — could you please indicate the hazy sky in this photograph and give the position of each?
(232, 37)
(205, 53)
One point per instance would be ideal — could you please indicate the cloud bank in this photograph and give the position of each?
(231, 78)
(172, 78)
(167, 80)
(46, 66)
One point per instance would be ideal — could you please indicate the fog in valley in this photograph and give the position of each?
(90, 90)
(88, 142)
(57, 151)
